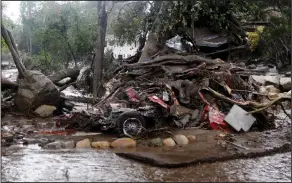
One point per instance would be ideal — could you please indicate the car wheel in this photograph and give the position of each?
(130, 124)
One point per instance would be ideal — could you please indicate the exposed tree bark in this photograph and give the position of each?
(73, 73)
(9, 41)
(156, 39)
(99, 56)
(173, 59)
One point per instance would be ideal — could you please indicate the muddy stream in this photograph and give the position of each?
(33, 164)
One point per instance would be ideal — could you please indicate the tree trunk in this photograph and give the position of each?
(99, 56)
(9, 42)
(72, 73)
(155, 40)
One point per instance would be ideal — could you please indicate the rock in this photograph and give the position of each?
(260, 80)
(181, 139)
(273, 96)
(169, 142)
(263, 90)
(286, 83)
(100, 145)
(157, 142)
(288, 74)
(34, 90)
(123, 142)
(272, 89)
(252, 66)
(68, 144)
(241, 64)
(191, 138)
(45, 110)
(272, 80)
(53, 145)
(288, 93)
(8, 137)
(83, 144)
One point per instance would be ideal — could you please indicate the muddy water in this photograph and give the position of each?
(34, 164)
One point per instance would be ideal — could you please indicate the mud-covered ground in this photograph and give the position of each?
(32, 163)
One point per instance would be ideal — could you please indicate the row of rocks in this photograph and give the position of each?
(170, 142)
(121, 143)
(276, 81)
(86, 143)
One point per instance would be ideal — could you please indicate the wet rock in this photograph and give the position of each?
(241, 64)
(169, 142)
(53, 145)
(272, 89)
(8, 137)
(181, 139)
(286, 83)
(45, 110)
(83, 144)
(272, 80)
(68, 144)
(191, 138)
(34, 90)
(260, 80)
(123, 142)
(157, 142)
(273, 96)
(252, 66)
(100, 145)
(288, 74)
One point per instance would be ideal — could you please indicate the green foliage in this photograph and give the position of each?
(129, 22)
(45, 63)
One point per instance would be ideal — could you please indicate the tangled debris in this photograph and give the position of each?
(184, 91)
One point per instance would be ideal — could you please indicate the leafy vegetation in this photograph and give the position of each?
(56, 34)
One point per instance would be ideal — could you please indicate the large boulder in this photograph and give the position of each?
(286, 83)
(123, 142)
(34, 90)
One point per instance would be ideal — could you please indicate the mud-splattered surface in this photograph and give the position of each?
(34, 164)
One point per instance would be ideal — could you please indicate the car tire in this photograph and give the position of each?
(134, 118)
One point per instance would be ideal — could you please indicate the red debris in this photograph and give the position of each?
(157, 100)
(216, 117)
(131, 93)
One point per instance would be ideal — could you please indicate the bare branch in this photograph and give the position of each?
(113, 4)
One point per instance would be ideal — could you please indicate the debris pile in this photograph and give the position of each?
(182, 91)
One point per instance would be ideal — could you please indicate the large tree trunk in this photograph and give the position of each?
(155, 40)
(72, 73)
(99, 56)
(10, 43)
